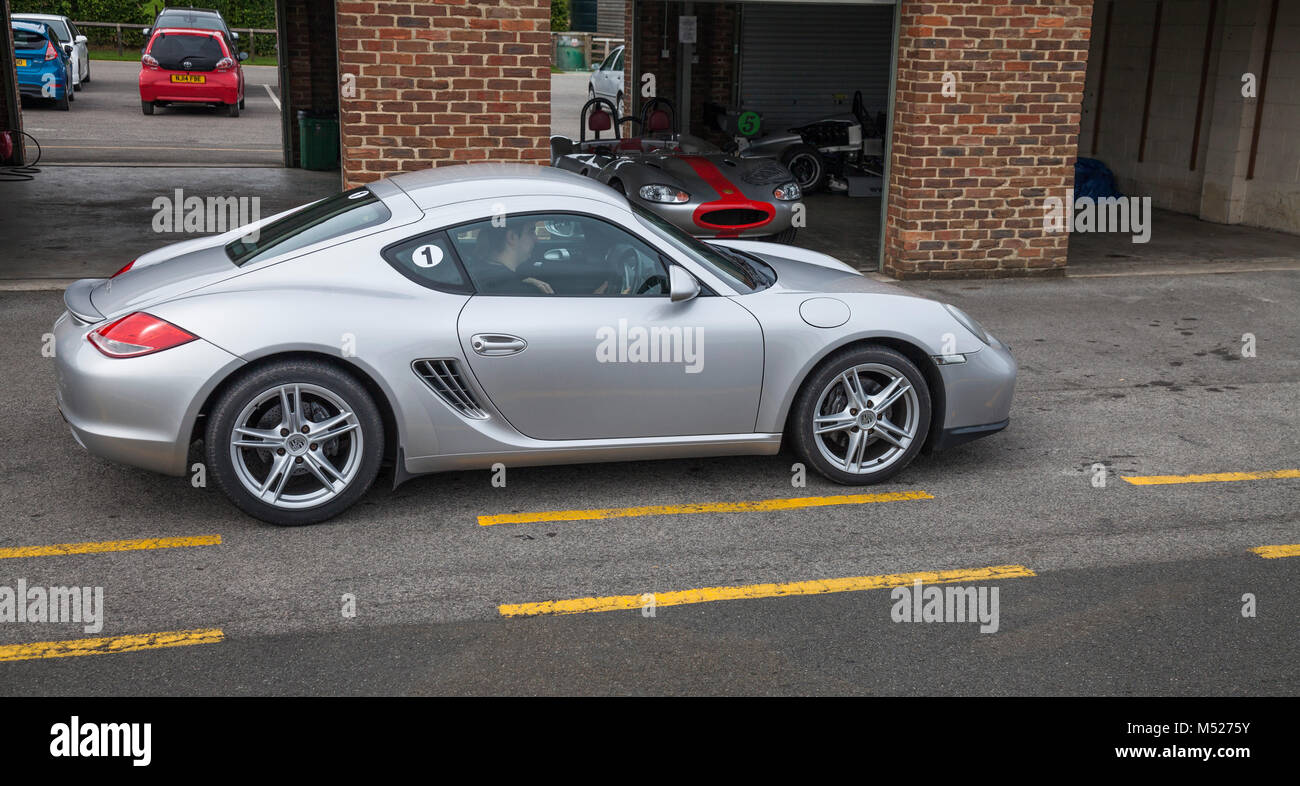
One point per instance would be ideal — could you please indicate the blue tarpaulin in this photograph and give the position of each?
(1093, 179)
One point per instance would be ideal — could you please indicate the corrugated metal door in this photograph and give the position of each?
(794, 60)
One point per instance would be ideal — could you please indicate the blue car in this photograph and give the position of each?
(44, 69)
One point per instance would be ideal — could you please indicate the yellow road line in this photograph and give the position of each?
(101, 547)
(1274, 552)
(108, 645)
(1215, 477)
(702, 507)
(749, 591)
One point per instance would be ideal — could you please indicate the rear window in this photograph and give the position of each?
(172, 49)
(26, 39)
(339, 215)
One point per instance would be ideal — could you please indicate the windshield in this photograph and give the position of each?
(743, 272)
(340, 214)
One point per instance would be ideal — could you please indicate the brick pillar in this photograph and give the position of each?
(443, 82)
(970, 172)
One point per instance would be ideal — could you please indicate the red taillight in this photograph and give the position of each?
(138, 334)
(150, 61)
(50, 52)
(125, 268)
(225, 64)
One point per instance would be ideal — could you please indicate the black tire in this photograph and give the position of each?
(807, 166)
(241, 103)
(221, 424)
(233, 109)
(800, 425)
(784, 236)
(65, 103)
(86, 78)
(146, 107)
(77, 87)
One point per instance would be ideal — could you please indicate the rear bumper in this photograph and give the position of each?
(32, 86)
(138, 411)
(220, 88)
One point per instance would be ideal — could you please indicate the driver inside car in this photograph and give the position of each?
(504, 249)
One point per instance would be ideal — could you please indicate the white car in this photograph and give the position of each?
(607, 79)
(70, 39)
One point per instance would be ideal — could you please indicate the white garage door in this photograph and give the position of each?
(796, 58)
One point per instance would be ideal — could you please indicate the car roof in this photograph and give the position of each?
(38, 16)
(187, 31)
(189, 9)
(465, 182)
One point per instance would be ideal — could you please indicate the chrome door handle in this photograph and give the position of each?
(497, 344)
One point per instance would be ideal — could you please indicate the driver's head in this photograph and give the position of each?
(510, 242)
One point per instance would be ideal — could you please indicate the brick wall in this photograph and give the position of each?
(970, 172)
(443, 82)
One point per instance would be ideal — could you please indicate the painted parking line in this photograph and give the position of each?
(1214, 477)
(1277, 552)
(101, 547)
(751, 591)
(110, 645)
(702, 507)
(274, 100)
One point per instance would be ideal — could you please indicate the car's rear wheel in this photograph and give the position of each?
(862, 416)
(807, 166)
(233, 109)
(65, 103)
(146, 107)
(295, 442)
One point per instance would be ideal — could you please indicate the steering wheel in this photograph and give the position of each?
(652, 281)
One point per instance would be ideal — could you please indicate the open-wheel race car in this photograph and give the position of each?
(687, 180)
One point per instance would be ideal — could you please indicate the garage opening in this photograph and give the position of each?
(1188, 105)
(780, 80)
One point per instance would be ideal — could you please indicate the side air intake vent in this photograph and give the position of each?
(444, 377)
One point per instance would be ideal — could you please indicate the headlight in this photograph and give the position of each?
(968, 323)
(787, 192)
(662, 193)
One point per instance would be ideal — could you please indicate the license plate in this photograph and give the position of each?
(193, 79)
(21, 63)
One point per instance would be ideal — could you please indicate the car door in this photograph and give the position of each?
(605, 354)
(83, 52)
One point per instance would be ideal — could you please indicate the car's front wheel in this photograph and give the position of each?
(862, 416)
(295, 442)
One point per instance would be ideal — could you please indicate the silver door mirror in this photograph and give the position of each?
(682, 286)
(81, 39)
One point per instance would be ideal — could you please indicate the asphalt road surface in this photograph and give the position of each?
(105, 125)
(1117, 588)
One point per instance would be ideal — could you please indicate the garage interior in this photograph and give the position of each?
(757, 57)
(1165, 109)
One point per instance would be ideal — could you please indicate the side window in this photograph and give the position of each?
(608, 62)
(429, 261)
(618, 62)
(561, 255)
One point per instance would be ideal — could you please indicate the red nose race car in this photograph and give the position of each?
(189, 66)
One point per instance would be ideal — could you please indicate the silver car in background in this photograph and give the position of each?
(459, 317)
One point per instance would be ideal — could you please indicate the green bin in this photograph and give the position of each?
(318, 140)
(570, 57)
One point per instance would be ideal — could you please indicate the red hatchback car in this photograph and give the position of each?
(186, 66)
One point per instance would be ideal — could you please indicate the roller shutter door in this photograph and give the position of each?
(795, 58)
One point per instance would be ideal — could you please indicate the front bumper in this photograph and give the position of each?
(138, 411)
(683, 216)
(977, 395)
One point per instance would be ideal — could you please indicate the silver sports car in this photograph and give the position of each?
(688, 181)
(460, 317)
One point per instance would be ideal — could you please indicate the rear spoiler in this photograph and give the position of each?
(77, 299)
